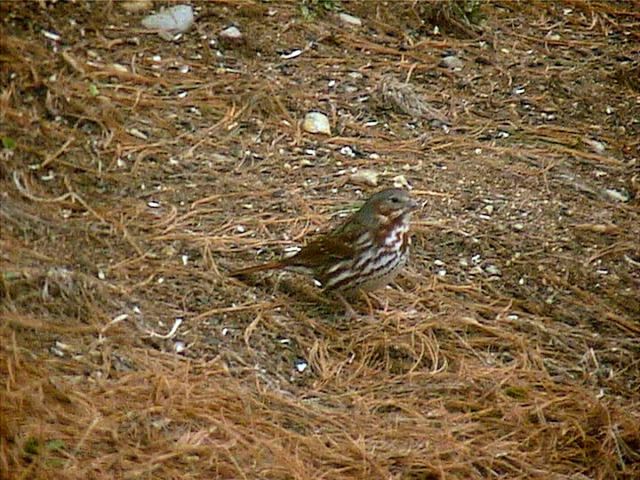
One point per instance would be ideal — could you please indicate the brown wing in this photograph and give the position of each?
(320, 252)
(336, 245)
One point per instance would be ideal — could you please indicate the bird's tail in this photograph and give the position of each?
(257, 268)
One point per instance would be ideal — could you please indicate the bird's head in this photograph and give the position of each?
(388, 206)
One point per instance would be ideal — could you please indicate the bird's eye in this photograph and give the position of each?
(395, 200)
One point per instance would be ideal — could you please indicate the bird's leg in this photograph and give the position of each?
(380, 304)
(369, 304)
(349, 311)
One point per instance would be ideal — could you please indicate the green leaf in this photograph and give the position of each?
(31, 446)
(55, 445)
(518, 393)
(93, 90)
(8, 142)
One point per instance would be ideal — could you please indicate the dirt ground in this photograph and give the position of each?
(136, 172)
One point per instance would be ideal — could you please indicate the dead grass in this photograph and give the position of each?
(509, 349)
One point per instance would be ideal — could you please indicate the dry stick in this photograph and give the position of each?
(622, 323)
(22, 189)
(74, 196)
(229, 116)
(374, 47)
(615, 248)
(239, 308)
(57, 153)
(169, 218)
(231, 195)
(86, 435)
(80, 200)
(588, 156)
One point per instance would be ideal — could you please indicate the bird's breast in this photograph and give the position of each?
(395, 235)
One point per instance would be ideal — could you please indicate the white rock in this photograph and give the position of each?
(347, 151)
(293, 54)
(365, 177)
(617, 195)
(451, 61)
(316, 122)
(492, 270)
(231, 33)
(179, 346)
(170, 21)
(350, 19)
(300, 365)
(401, 182)
(595, 145)
(52, 36)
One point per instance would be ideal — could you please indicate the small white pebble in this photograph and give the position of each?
(51, 36)
(293, 54)
(348, 151)
(57, 352)
(62, 346)
(179, 346)
(492, 270)
(301, 365)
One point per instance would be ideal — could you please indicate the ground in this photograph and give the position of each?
(138, 172)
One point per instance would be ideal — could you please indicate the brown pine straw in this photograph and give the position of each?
(510, 347)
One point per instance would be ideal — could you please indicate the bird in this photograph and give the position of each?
(365, 252)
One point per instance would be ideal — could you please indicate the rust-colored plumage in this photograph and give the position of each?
(365, 252)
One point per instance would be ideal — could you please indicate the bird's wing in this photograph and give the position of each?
(333, 246)
(319, 252)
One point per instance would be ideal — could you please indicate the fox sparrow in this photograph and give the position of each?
(365, 252)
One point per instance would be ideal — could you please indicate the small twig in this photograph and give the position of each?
(81, 201)
(23, 190)
(615, 248)
(57, 153)
(172, 332)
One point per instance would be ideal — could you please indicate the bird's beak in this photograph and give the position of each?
(412, 206)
